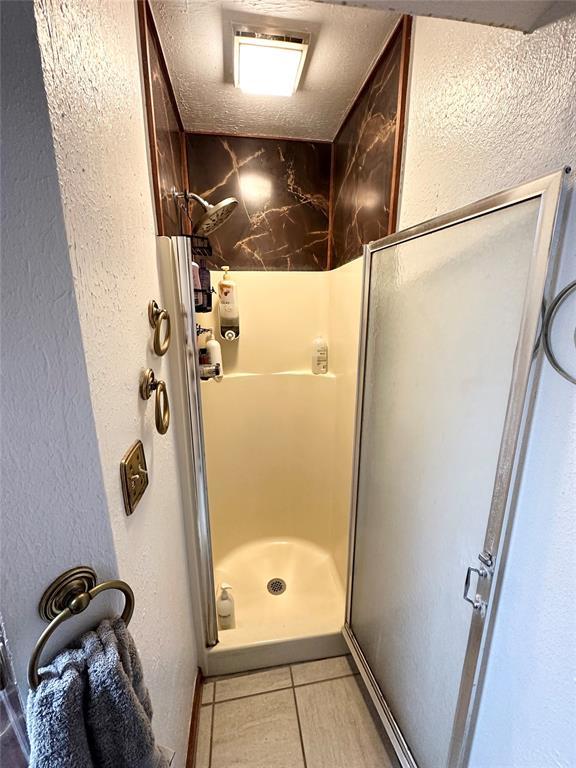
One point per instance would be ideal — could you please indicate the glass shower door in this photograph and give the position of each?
(451, 313)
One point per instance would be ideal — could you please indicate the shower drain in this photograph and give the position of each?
(276, 586)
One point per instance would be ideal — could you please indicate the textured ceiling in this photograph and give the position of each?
(523, 15)
(197, 41)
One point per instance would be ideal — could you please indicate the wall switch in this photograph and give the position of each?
(134, 476)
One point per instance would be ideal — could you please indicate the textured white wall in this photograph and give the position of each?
(54, 513)
(92, 78)
(490, 109)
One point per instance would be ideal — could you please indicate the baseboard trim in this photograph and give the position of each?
(195, 720)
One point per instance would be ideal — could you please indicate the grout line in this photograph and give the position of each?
(325, 680)
(283, 688)
(252, 695)
(248, 672)
(212, 730)
(298, 720)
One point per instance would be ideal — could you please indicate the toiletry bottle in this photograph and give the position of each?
(319, 356)
(206, 287)
(196, 284)
(215, 355)
(225, 608)
(228, 307)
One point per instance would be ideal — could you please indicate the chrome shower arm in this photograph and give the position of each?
(193, 196)
(187, 196)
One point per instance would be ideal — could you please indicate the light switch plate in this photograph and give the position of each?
(134, 476)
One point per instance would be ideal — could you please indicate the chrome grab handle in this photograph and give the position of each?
(477, 603)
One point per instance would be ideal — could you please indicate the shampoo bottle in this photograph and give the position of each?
(225, 608)
(215, 355)
(197, 286)
(319, 356)
(206, 286)
(228, 307)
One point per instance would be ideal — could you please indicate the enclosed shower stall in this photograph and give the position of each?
(274, 445)
(279, 456)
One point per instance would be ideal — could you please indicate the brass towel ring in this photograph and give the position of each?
(68, 595)
(148, 384)
(156, 316)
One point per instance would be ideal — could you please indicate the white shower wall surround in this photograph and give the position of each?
(490, 109)
(279, 451)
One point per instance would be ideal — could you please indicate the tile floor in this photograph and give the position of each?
(310, 715)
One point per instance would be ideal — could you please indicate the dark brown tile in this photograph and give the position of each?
(283, 189)
(363, 162)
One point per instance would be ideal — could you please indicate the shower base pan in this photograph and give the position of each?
(289, 606)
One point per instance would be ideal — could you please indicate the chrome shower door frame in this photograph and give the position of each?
(182, 256)
(521, 397)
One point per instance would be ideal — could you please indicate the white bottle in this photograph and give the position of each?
(319, 356)
(228, 307)
(215, 355)
(225, 608)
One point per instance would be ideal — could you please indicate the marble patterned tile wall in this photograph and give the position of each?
(363, 162)
(169, 148)
(283, 188)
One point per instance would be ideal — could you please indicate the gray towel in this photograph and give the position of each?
(92, 709)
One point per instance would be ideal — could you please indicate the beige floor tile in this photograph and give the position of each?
(207, 693)
(257, 732)
(248, 685)
(337, 728)
(204, 735)
(314, 671)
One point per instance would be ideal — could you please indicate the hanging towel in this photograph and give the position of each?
(91, 708)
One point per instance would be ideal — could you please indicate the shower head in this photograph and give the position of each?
(214, 215)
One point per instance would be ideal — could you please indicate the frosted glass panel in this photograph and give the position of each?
(444, 318)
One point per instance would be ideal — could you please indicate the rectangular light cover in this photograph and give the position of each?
(268, 66)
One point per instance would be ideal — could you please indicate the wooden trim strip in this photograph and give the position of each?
(149, 104)
(195, 720)
(400, 123)
(152, 28)
(185, 223)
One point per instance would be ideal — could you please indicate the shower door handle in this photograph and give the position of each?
(477, 603)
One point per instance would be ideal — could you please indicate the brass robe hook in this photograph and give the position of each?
(148, 384)
(157, 316)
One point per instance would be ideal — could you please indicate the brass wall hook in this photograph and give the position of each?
(148, 384)
(157, 316)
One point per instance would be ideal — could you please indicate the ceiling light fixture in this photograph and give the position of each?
(268, 63)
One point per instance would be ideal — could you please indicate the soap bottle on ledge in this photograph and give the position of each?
(228, 307)
(225, 608)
